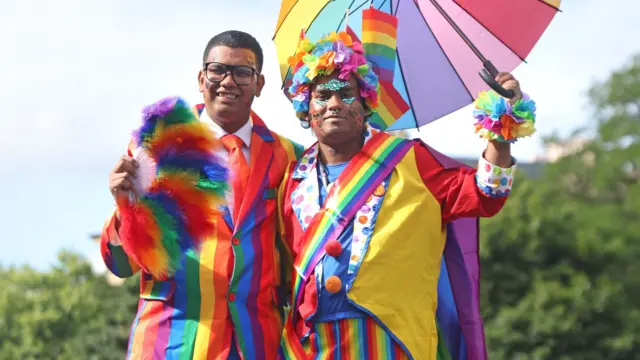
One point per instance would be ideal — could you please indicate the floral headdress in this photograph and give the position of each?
(336, 51)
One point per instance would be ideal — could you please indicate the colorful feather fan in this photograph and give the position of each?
(179, 207)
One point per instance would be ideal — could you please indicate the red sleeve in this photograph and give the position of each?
(455, 189)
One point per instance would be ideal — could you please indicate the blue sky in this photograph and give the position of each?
(75, 74)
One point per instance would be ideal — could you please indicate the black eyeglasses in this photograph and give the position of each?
(242, 74)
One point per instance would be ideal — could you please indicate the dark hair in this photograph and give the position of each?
(235, 40)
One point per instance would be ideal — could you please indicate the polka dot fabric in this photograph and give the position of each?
(493, 180)
(363, 226)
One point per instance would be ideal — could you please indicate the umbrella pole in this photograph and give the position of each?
(346, 20)
(489, 72)
(459, 31)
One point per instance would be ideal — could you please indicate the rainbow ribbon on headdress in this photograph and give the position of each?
(379, 33)
(179, 208)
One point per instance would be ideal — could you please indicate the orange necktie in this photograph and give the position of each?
(239, 170)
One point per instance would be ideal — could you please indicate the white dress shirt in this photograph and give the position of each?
(244, 133)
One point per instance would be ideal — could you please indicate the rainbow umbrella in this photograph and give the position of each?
(442, 46)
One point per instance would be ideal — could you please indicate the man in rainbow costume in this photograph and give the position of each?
(383, 230)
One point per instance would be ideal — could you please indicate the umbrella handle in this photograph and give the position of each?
(488, 74)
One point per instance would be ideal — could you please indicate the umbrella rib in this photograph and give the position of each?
(441, 49)
(491, 32)
(384, 2)
(284, 19)
(404, 80)
(553, 7)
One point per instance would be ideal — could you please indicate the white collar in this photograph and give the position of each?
(244, 133)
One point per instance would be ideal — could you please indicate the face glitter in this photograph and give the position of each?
(333, 85)
(321, 102)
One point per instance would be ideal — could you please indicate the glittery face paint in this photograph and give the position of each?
(356, 112)
(333, 85)
(336, 98)
(321, 102)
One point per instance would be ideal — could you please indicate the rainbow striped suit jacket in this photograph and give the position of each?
(230, 286)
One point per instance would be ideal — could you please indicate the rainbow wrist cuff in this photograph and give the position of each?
(498, 120)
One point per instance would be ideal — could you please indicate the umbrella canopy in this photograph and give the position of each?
(441, 44)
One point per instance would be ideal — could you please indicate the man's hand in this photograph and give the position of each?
(122, 181)
(122, 178)
(509, 82)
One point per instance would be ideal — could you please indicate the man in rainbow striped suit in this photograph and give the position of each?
(368, 216)
(224, 302)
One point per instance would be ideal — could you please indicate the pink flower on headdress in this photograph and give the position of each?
(371, 95)
(346, 70)
(357, 48)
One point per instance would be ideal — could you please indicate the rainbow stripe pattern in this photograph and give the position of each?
(218, 291)
(179, 208)
(352, 339)
(359, 179)
(379, 33)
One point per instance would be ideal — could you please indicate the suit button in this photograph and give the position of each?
(333, 284)
(232, 297)
(235, 241)
(333, 248)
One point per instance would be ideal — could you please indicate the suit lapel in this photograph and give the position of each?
(261, 156)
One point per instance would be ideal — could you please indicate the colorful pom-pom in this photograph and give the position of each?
(497, 119)
(178, 209)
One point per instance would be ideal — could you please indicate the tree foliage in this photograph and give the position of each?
(560, 262)
(69, 312)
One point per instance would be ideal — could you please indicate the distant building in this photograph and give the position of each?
(556, 150)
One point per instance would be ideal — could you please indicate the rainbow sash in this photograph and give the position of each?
(363, 174)
(375, 161)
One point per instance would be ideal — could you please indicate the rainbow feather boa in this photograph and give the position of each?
(178, 210)
(497, 119)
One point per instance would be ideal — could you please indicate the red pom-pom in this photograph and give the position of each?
(333, 248)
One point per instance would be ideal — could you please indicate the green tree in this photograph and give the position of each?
(560, 262)
(69, 312)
